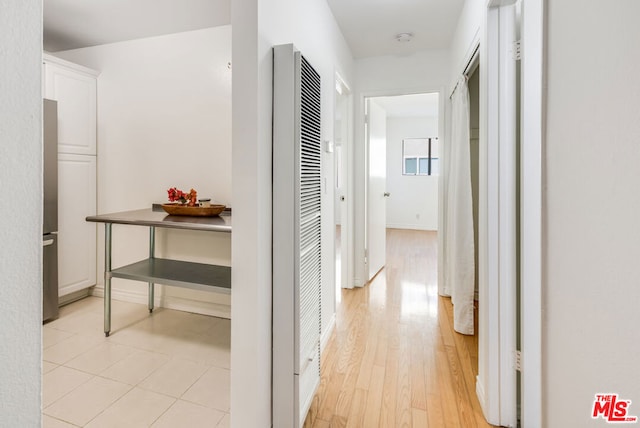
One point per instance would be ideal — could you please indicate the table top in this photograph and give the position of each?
(157, 217)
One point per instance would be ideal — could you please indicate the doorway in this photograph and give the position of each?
(395, 353)
(403, 152)
(412, 180)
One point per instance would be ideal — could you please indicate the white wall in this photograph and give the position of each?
(591, 203)
(427, 71)
(402, 74)
(257, 26)
(21, 224)
(413, 203)
(467, 32)
(164, 120)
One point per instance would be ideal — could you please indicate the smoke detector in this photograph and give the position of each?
(404, 37)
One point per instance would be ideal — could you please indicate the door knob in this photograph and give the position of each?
(387, 194)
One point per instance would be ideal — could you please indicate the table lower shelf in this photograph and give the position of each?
(178, 273)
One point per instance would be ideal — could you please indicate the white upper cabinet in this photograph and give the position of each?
(75, 88)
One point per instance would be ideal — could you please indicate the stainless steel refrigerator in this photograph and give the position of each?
(50, 214)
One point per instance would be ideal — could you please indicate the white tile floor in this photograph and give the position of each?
(169, 369)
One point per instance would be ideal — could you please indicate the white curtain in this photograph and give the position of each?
(458, 210)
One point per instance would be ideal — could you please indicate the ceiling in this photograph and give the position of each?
(414, 105)
(70, 24)
(369, 26)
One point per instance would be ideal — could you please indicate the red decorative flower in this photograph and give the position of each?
(177, 195)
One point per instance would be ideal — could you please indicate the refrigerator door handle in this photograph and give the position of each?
(47, 242)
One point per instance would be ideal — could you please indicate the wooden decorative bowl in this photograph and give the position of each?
(179, 209)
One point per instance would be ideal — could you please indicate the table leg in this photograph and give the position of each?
(152, 248)
(107, 279)
(151, 291)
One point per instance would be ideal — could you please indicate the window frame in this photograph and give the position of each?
(418, 159)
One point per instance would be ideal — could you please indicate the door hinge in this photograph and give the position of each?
(366, 255)
(518, 360)
(366, 119)
(517, 50)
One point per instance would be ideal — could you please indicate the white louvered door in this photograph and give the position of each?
(308, 364)
(296, 236)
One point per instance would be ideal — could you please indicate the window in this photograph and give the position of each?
(420, 156)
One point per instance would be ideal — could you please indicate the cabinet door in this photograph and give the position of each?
(76, 237)
(75, 92)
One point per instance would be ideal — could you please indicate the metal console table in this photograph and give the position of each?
(165, 271)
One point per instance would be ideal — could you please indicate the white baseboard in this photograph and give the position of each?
(411, 227)
(71, 289)
(197, 307)
(169, 302)
(72, 297)
(483, 403)
(326, 334)
(124, 295)
(481, 396)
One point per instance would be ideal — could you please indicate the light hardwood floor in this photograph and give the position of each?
(394, 359)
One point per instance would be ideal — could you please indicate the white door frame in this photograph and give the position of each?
(488, 245)
(500, 144)
(362, 171)
(508, 194)
(533, 35)
(495, 387)
(496, 381)
(347, 208)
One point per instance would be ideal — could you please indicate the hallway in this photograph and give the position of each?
(394, 359)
